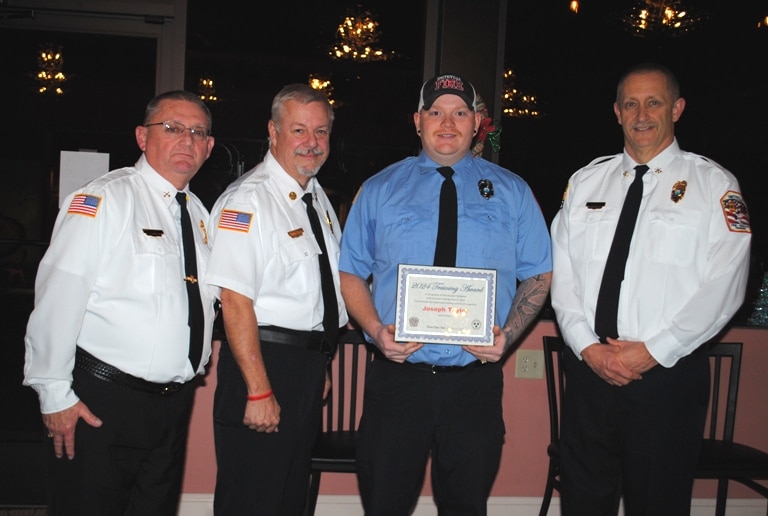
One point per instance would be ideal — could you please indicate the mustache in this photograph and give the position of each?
(315, 151)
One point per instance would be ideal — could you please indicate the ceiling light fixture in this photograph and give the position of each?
(667, 17)
(357, 38)
(50, 62)
(515, 103)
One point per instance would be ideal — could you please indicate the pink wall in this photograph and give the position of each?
(524, 459)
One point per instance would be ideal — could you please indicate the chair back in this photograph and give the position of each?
(349, 367)
(555, 378)
(725, 364)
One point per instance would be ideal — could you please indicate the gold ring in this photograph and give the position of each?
(484, 361)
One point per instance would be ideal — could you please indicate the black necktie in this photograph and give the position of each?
(330, 304)
(196, 318)
(445, 249)
(606, 312)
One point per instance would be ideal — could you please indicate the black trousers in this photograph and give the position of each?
(133, 464)
(410, 415)
(260, 473)
(639, 442)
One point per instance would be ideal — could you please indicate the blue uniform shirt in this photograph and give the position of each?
(394, 220)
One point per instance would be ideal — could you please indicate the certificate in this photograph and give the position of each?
(445, 305)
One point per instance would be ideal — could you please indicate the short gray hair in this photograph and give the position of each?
(154, 105)
(673, 86)
(301, 93)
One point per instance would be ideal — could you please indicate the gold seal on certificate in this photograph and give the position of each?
(445, 305)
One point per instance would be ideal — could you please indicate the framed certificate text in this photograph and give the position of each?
(445, 305)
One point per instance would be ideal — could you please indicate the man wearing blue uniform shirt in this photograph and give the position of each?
(439, 400)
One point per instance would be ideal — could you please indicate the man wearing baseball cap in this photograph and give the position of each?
(425, 398)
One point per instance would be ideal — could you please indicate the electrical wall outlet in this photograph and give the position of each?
(529, 363)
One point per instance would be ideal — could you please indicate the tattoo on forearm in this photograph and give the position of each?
(529, 299)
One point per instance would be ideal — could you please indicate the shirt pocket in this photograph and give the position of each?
(401, 227)
(673, 236)
(299, 257)
(487, 234)
(157, 263)
(592, 232)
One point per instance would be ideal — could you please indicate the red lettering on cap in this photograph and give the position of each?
(450, 83)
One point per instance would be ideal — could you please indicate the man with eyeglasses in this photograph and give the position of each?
(118, 334)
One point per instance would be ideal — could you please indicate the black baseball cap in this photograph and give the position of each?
(447, 84)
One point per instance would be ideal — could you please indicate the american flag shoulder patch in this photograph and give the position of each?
(235, 220)
(84, 204)
(735, 212)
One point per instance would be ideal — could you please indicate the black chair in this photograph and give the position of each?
(555, 378)
(721, 458)
(336, 443)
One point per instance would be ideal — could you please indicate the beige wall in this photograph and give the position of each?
(524, 460)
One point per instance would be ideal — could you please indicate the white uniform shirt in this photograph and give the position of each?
(112, 283)
(264, 248)
(688, 263)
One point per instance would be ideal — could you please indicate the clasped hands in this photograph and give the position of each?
(618, 362)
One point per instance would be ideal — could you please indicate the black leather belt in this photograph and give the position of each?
(434, 369)
(103, 371)
(311, 340)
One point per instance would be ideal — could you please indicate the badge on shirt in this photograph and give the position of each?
(735, 212)
(296, 233)
(235, 220)
(595, 205)
(678, 191)
(153, 232)
(84, 204)
(486, 188)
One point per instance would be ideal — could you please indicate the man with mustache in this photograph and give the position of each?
(272, 370)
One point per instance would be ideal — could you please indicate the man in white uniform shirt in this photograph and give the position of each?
(108, 342)
(272, 367)
(637, 380)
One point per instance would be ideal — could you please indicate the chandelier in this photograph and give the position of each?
(50, 63)
(515, 103)
(207, 91)
(660, 16)
(357, 38)
(317, 82)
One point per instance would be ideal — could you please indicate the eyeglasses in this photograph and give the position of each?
(176, 130)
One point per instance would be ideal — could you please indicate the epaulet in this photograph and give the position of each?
(705, 159)
(601, 159)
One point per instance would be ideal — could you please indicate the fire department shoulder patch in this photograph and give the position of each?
(735, 212)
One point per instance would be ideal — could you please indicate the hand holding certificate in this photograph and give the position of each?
(445, 305)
